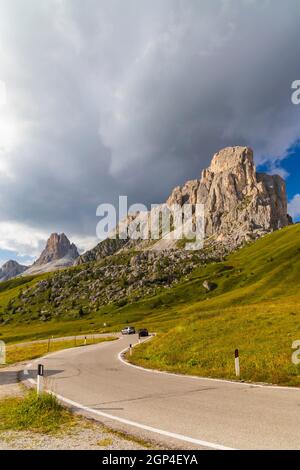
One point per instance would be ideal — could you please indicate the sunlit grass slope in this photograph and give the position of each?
(255, 308)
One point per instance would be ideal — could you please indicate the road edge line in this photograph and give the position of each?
(135, 424)
(125, 421)
(195, 377)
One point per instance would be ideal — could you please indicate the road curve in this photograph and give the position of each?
(176, 411)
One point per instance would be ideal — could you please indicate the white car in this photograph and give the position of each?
(129, 330)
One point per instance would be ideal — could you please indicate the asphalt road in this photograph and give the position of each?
(182, 412)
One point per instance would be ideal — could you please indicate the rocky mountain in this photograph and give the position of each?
(105, 248)
(11, 269)
(58, 253)
(57, 247)
(240, 205)
(109, 246)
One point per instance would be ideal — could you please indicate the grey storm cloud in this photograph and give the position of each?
(132, 97)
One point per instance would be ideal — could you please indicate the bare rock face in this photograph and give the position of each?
(107, 247)
(11, 269)
(239, 203)
(58, 247)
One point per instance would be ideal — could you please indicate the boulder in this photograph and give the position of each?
(209, 286)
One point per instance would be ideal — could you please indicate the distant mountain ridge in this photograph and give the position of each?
(11, 269)
(59, 253)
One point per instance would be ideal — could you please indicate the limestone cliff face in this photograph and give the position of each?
(58, 246)
(239, 203)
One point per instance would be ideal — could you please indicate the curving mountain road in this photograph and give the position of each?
(175, 411)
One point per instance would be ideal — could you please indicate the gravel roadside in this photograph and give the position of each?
(83, 435)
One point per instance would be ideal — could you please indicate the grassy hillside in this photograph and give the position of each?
(98, 296)
(255, 307)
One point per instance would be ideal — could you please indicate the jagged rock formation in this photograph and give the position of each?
(57, 247)
(104, 248)
(59, 253)
(11, 269)
(239, 203)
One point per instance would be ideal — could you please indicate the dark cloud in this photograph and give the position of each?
(113, 97)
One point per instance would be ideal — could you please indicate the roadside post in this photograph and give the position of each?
(85, 340)
(48, 349)
(237, 362)
(40, 379)
(2, 353)
(130, 349)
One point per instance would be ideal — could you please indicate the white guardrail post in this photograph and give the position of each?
(40, 379)
(237, 363)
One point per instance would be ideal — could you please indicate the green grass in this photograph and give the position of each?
(255, 307)
(42, 414)
(19, 353)
(205, 344)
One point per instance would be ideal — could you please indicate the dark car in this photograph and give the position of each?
(143, 332)
(129, 330)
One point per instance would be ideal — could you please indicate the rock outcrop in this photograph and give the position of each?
(59, 253)
(104, 248)
(58, 246)
(239, 203)
(11, 269)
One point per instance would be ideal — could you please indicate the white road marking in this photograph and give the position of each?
(195, 377)
(145, 427)
(26, 369)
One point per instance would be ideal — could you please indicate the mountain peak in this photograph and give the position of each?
(239, 203)
(57, 247)
(231, 157)
(11, 269)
